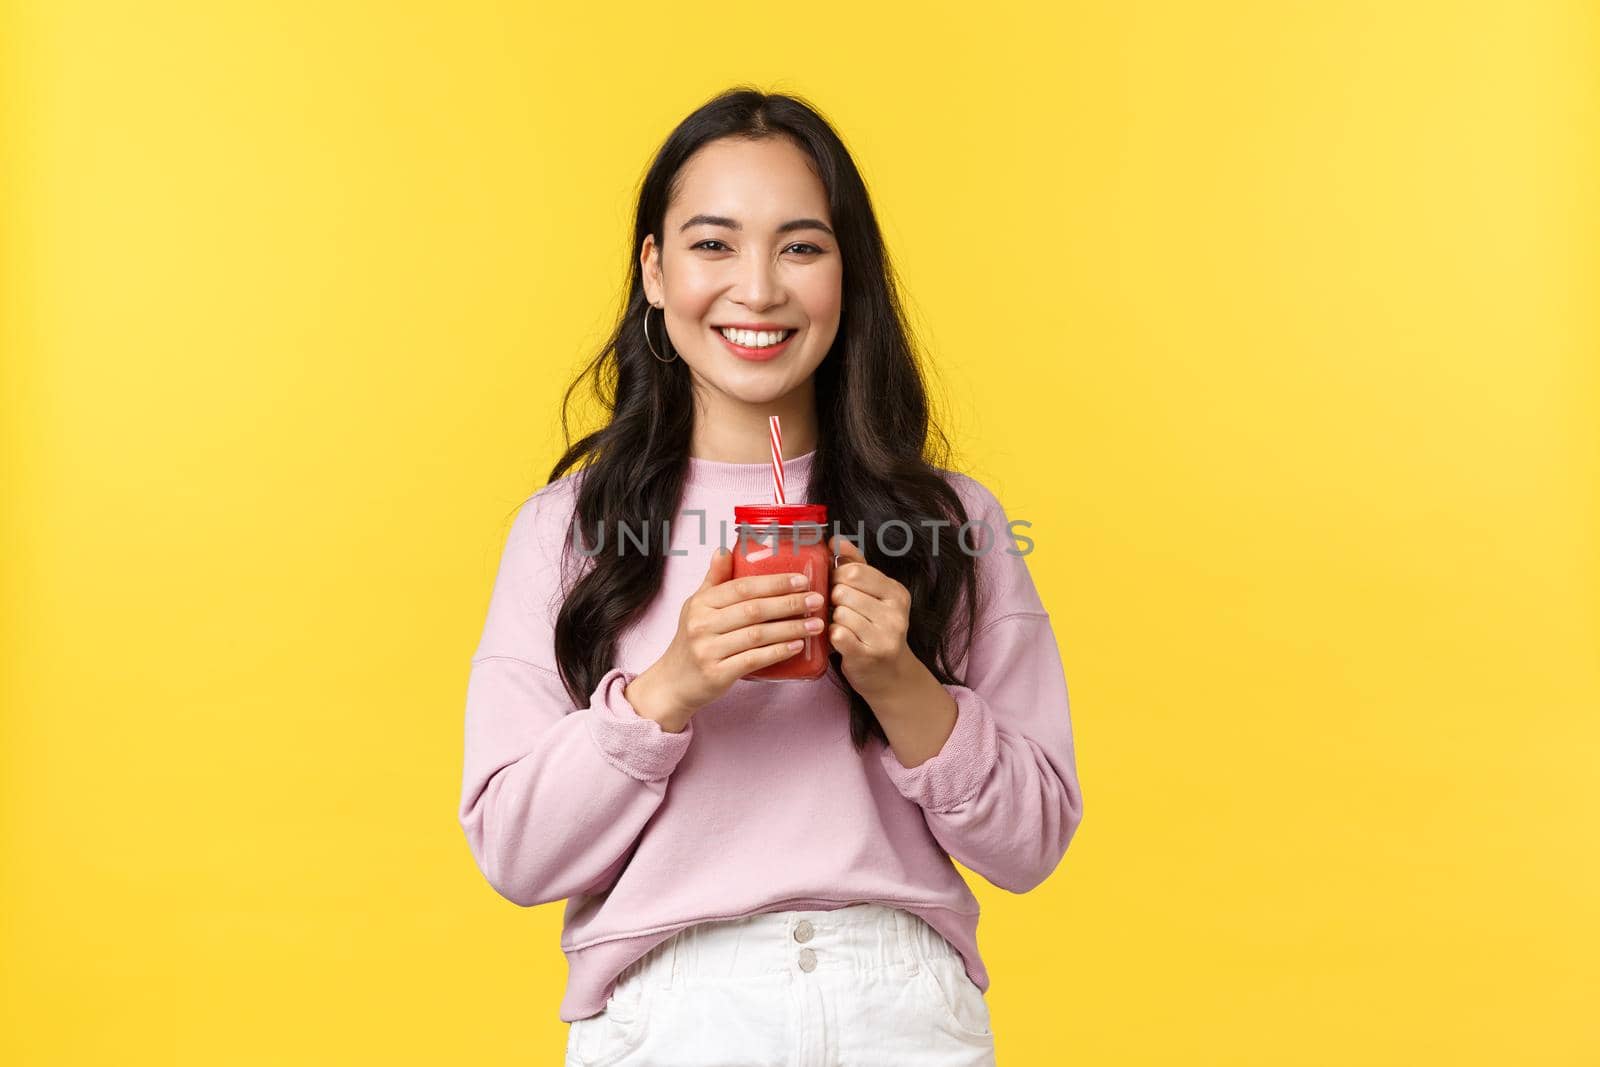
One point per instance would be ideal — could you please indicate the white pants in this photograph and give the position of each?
(861, 986)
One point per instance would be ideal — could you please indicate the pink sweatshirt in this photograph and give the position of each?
(762, 803)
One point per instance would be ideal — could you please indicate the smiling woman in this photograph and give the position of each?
(800, 887)
(752, 291)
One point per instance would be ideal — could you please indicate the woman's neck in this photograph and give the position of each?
(743, 435)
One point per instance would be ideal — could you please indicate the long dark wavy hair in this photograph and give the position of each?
(878, 453)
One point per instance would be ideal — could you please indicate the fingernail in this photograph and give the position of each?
(814, 625)
(813, 600)
(799, 581)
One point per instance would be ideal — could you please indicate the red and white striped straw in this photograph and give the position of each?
(777, 460)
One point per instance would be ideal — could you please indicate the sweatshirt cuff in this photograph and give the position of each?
(956, 773)
(633, 744)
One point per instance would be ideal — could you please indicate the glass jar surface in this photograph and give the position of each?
(788, 539)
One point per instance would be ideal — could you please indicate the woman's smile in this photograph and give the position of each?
(758, 346)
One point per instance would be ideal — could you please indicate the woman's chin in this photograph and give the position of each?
(752, 384)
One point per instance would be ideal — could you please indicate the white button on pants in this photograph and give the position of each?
(873, 985)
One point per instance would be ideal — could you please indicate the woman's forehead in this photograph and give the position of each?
(760, 185)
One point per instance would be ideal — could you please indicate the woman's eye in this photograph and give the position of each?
(811, 249)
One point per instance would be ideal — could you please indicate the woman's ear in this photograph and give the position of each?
(650, 270)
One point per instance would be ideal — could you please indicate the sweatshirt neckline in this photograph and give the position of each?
(753, 481)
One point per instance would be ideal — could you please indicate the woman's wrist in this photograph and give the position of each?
(917, 714)
(644, 694)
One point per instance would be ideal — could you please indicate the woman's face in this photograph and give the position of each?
(747, 241)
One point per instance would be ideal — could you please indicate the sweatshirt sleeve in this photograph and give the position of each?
(1002, 795)
(553, 796)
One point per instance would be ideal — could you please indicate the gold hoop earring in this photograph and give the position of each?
(664, 340)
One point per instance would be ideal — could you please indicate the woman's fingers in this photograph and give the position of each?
(857, 626)
(750, 586)
(855, 572)
(865, 603)
(766, 633)
(750, 612)
(718, 570)
(753, 660)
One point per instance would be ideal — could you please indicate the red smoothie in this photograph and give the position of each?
(788, 539)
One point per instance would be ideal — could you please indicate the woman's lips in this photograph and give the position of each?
(756, 355)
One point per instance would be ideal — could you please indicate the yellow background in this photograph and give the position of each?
(1275, 319)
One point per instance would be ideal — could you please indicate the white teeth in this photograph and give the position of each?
(755, 338)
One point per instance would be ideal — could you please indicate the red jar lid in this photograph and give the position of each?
(780, 514)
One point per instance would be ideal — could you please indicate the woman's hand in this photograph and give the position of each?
(871, 612)
(726, 630)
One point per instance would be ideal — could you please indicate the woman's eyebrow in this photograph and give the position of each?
(732, 224)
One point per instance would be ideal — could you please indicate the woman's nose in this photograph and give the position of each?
(758, 285)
